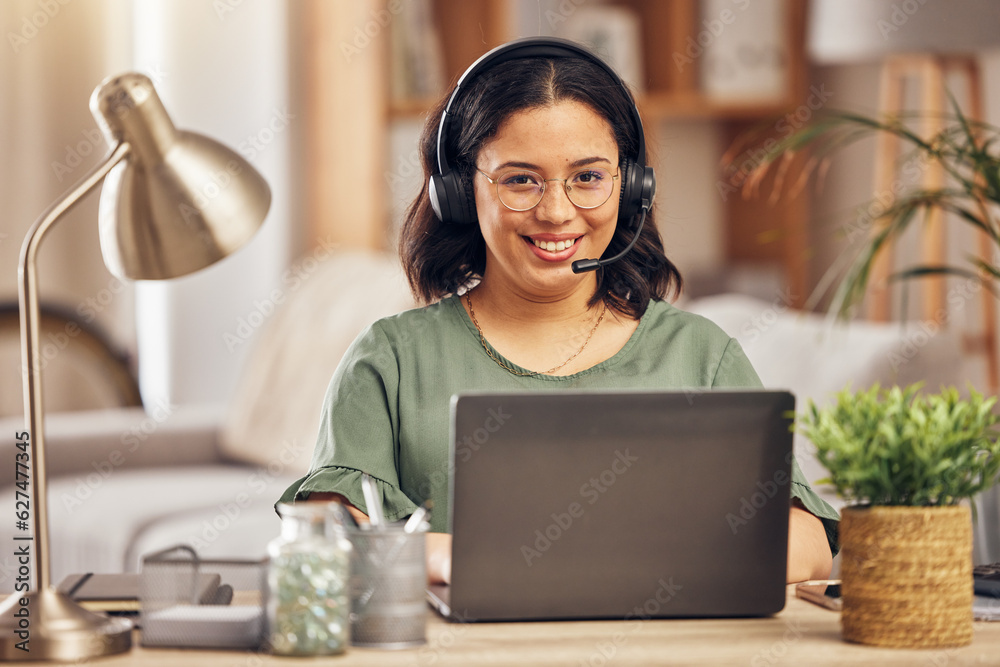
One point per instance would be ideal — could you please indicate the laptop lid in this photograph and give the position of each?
(568, 505)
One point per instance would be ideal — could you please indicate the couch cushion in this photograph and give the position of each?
(275, 413)
(807, 354)
(121, 438)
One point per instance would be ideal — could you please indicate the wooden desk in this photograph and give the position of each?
(802, 634)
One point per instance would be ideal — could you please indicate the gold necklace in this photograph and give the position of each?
(500, 362)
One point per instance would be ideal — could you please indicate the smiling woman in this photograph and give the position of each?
(535, 160)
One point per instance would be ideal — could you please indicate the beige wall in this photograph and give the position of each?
(52, 57)
(49, 139)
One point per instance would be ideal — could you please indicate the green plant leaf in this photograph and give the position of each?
(897, 446)
(966, 150)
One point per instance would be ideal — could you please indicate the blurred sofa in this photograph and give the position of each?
(128, 482)
(123, 483)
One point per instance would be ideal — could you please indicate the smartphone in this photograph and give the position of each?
(986, 580)
(824, 593)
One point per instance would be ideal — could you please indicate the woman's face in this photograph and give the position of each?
(556, 142)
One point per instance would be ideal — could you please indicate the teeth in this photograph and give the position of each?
(554, 246)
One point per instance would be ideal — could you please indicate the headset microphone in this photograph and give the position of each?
(582, 265)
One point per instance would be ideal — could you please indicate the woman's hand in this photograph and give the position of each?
(438, 558)
(326, 496)
(809, 554)
(438, 544)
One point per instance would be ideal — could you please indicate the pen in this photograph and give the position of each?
(372, 501)
(418, 517)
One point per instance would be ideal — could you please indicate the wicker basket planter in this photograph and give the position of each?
(907, 576)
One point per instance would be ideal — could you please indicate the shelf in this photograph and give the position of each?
(672, 92)
(695, 105)
(410, 109)
(658, 106)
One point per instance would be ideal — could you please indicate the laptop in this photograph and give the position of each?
(622, 505)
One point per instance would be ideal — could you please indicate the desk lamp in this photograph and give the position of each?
(173, 202)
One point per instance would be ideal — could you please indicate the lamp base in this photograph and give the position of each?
(53, 627)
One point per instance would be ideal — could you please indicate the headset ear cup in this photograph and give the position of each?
(647, 187)
(628, 202)
(465, 201)
(638, 185)
(438, 196)
(470, 216)
(450, 199)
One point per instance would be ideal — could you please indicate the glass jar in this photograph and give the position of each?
(308, 581)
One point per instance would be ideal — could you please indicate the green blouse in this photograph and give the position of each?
(387, 409)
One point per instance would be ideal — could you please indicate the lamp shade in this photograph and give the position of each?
(854, 31)
(180, 201)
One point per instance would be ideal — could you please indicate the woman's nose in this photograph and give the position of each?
(555, 206)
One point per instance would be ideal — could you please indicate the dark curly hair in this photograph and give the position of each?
(439, 259)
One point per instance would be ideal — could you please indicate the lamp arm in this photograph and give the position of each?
(30, 345)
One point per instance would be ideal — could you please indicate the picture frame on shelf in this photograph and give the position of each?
(614, 33)
(746, 56)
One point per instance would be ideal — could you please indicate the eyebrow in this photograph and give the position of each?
(576, 163)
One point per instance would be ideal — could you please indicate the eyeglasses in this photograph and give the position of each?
(521, 190)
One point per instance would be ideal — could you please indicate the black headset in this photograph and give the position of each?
(451, 201)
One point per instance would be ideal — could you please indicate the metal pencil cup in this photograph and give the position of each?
(388, 584)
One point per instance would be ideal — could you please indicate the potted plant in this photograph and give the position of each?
(903, 461)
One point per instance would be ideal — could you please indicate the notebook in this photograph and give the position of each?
(623, 505)
(119, 593)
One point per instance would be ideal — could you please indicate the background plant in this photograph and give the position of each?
(969, 153)
(899, 447)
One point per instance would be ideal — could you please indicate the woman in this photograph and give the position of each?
(527, 171)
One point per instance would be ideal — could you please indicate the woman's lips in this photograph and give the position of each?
(561, 249)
